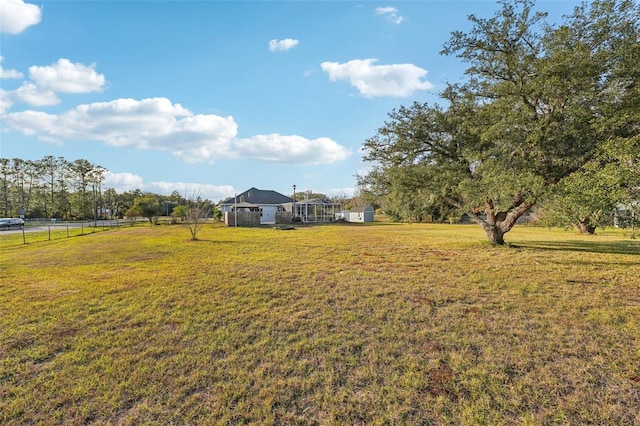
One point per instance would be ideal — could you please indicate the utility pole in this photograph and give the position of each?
(293, 209)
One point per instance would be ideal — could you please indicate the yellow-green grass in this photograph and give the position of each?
(339, 324)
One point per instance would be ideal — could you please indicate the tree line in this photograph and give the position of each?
(54, 187)
(50, 187)
(547, 118)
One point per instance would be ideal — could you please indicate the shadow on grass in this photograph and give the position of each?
(211, 241)
(608, 247)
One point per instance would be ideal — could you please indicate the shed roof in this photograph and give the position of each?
(362, 209)
(258, 197)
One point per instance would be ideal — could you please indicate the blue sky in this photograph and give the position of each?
(215, 97)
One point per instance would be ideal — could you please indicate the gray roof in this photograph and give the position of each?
(259, 197)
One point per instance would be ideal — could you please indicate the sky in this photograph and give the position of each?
(214, 97)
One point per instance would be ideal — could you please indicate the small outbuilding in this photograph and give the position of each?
(358, 214)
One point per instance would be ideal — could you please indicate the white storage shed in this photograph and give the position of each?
(358, 214)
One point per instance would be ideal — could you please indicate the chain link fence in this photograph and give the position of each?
(41, 230)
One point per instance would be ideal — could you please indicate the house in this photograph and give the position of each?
(253, 207)
(357, 214)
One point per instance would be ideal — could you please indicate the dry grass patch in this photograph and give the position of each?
(376, 324)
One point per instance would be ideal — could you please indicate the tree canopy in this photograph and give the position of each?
(540, 105)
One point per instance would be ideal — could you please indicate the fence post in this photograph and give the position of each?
(49, 227)
(24, 238)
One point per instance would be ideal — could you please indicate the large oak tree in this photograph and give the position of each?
(536, 108)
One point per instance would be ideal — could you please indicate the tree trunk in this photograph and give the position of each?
(495, 234)
(496, 224)
(584, 226)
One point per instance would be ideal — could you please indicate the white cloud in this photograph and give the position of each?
(384, 10)
(5, 101)
(9, 73)
(391, 13)
(282, 45)
(61, 77)
(122, 181)
(129, 182)
(277, 148)
(33, 95)
(156, 123)
(397, 80)
(153, 123)
(16, 16)
(67, 77)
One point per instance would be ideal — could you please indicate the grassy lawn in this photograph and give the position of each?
(371, 324)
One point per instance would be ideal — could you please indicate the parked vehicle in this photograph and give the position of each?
(8, 223)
